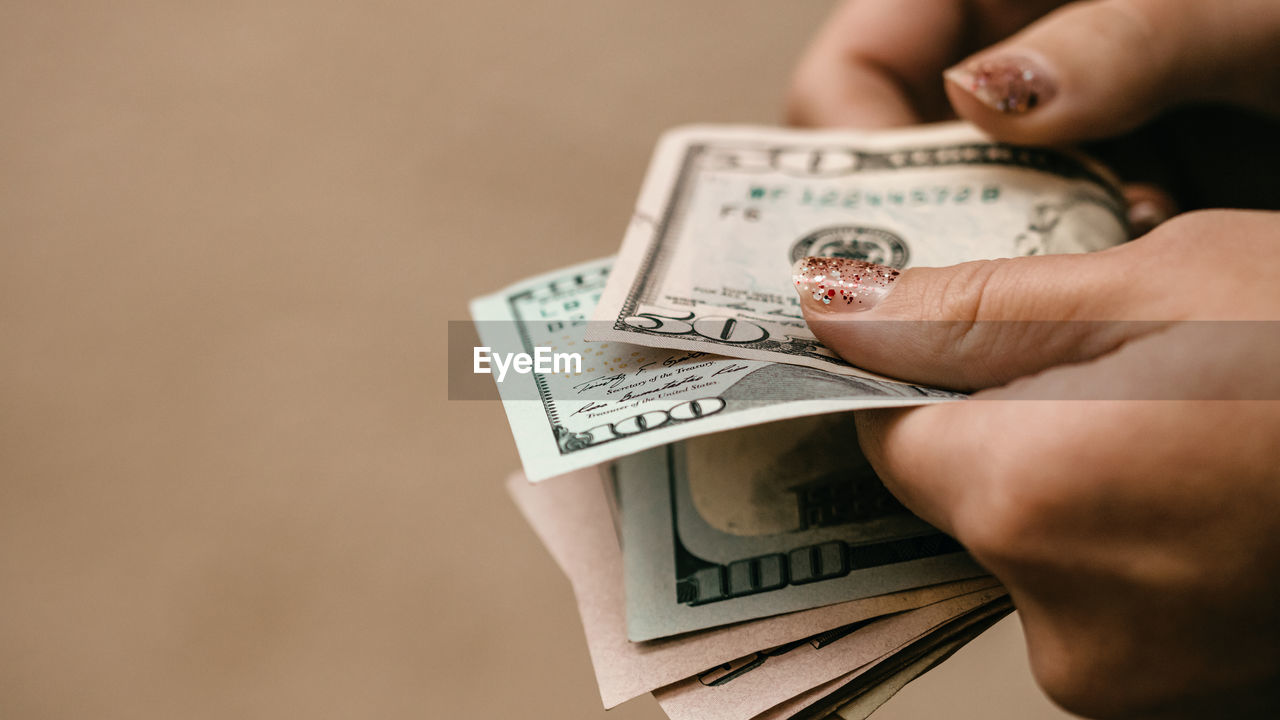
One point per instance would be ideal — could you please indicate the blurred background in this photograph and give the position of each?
(231, 236)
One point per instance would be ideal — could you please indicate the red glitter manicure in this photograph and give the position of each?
(835, 284)
(1009, 84)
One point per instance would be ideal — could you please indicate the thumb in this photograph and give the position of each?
(974, 325)
(1095, 69)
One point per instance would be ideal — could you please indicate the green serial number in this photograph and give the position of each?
(938, 195)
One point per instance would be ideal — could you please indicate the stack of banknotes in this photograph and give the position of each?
(689, 453)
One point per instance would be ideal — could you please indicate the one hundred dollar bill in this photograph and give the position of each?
(866, 700)
(750, 685)
(725, 212)
(882, 683)
(765, 520)
(571, 516)
(626, 398)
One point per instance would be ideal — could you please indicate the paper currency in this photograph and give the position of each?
(825, 698)
(571, 516)
(764, 520)
(862, 705)
(868, 701)
(627, 398)
(753, 684)
(902, 670)
(761, 573)
(725, 211)
(953, 635)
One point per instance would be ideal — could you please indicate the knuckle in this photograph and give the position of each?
(1071, 681)
(1005, 523)
(953, 310)
(1188, 232)
(1081, 683)
(952, 294)
(977, 291)
(1115, 29)
(1077, 660)
(1123, 24)
(1056, 673)
(1191, 223)
(962, 298)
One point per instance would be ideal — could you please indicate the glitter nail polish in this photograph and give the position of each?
(1010, 84)
(834, 284)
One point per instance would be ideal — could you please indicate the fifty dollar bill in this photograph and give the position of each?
(726, 211)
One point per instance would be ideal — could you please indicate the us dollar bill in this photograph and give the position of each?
(750, 685)
(863, 701)
(571, 516)
(859, 698)
(625, 398)
(765, 520)
(725, 211)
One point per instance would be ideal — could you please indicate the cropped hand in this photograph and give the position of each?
(1118, 468)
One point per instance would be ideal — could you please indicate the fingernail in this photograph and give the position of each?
(835, 284)
(1144, 216)
(1010, 84)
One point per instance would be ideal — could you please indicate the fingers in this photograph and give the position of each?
(1148, 206)
(984, 323)
(976, 324)
(931, 487)
(987, 471)
(1082, 509)
(956, 464)
(876, 64)
(1098, 68)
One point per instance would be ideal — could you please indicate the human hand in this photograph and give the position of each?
(1096, 69)
(879, 63)
(1138, 530)
(1085, 70)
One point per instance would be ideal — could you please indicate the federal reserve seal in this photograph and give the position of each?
(855, 242)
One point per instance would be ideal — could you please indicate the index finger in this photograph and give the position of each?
(877, 63)
(968, 467)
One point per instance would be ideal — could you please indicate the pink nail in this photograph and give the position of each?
(1010, 84)
(835, 284)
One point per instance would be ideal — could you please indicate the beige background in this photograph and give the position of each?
(231, 235)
